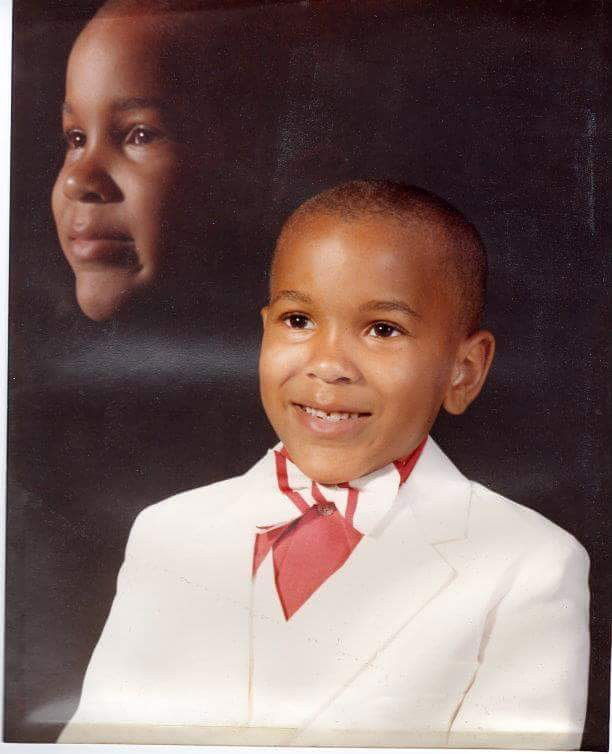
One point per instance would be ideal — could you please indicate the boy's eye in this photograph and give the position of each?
(75, 139)
(298, 322)
(140, 136)
(384, 330)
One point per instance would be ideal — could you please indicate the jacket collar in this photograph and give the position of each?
(377, 493)
(439, 496)
(436, 492)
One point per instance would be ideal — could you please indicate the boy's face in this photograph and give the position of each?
(115, 199)
(360, 342)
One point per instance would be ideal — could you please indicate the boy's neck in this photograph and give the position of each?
(403, 465)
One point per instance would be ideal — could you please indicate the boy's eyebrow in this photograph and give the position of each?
(301, 298)
(395, 305)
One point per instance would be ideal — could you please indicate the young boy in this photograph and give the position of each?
(143, 145)
(352, 588)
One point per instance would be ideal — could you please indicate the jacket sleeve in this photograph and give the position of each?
(110, 693)
(530, 688)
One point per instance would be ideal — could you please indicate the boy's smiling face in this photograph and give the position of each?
(116, 197)
(361, 343)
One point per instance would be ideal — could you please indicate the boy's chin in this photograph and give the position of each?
(328, 467)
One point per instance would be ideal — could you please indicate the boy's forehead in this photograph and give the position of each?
(343, 264)
(373, 242)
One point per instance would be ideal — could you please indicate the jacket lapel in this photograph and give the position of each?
(214, 570)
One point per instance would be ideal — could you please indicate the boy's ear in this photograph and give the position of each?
(474, 357)
(264, 315)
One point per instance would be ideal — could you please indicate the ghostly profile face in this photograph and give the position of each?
(117, 199)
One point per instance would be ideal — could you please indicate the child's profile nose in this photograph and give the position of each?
(87, 182)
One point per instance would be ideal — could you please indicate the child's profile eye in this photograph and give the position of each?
(384, 330)
(140, 136)
(75, 139)
(299, 322)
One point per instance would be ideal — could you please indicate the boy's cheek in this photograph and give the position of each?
(277, 370)
(272, 364)
(278, 358)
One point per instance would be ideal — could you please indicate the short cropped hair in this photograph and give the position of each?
(465, 258)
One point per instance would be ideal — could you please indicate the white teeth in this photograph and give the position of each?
(333, 416)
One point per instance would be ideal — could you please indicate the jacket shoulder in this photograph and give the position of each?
(188, 503)
(185, 520)
(530, 528)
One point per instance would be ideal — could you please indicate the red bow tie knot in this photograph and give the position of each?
(312, 547)
(309, 549)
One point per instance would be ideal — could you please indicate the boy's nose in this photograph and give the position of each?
(87, 180)
(331, 362)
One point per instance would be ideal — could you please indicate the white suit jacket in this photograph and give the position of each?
(461, 622)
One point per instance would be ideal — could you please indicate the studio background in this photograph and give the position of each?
(497, 106)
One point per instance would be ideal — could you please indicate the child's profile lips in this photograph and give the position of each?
(99, 245)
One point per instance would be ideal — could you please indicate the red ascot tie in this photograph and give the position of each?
(309, 549)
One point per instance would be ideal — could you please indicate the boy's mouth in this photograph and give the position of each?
(331, 416)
